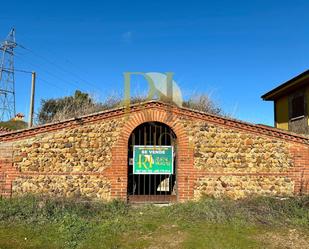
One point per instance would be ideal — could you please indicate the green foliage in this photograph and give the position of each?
(255, 210)
(33, 222)
(220, 236)
(34, 209)
(14, 124)
(21, 236)
(70, 104)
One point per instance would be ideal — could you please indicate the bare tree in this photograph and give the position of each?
(55, 110)
(202, 102)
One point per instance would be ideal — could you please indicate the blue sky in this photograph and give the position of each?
(233, 50)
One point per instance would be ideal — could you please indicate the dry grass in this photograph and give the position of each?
(255, 223)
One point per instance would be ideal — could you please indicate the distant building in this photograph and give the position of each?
(291, 104)
(19, 117)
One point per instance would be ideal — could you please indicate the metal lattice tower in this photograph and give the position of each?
(7, 79)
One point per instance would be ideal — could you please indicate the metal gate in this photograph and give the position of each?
(157, 188)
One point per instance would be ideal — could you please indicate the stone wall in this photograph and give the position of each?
(243, 186)
(84, 150)
(72, 186)
(218, 149)
(215, 156)
(222, 153)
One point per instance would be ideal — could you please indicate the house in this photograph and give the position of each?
(19, 117)
(291, 104)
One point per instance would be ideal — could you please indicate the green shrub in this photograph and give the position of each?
(14, 124)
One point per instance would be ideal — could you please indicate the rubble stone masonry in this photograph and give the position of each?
(87, 157)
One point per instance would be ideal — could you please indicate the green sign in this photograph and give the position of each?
(153, 159)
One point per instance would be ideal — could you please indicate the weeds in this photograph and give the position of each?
(262, 210)
(63, 223)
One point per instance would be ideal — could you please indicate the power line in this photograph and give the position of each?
(7, 75)
(56, 76)
(51, 74)
(19, 70)
(50, 83)
(52, 52)
(40, 78)
(80, 83)
(86, 82)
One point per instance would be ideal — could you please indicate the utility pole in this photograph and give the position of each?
(32, 100)
(7, 78)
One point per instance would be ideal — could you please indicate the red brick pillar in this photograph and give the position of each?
(7, 173)
(300, 170)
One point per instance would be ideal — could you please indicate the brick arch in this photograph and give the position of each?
(185, 169)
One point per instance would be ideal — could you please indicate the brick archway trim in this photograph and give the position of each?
(185, 159)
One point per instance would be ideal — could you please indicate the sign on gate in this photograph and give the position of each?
(152, 159)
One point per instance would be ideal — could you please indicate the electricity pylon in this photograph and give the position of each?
(7, 79)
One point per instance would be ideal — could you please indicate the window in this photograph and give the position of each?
(298, 106)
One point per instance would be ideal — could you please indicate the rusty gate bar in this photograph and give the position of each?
(148, 187)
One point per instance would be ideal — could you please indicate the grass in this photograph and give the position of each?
(32, 222)
(14, 124)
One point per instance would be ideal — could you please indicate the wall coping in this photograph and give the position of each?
(121, 111)
(4, 130)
